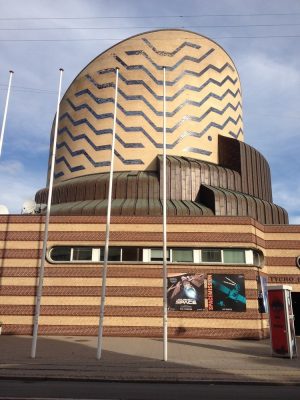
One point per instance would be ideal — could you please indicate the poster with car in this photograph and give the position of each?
(226, 292)
(186, 292)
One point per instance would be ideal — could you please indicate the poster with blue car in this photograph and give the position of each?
(226, 292)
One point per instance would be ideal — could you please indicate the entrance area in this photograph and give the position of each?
(296, 310)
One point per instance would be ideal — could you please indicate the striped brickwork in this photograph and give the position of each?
(71, 293)
(203, 101)
(283, 248)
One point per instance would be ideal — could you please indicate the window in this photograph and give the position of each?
(132, 254)
(157, 255)
(86, 254)
(82, 253)
(114, 254)
(257, 258)
(211, 255)
(182, 255)
(234, 256)
(60, 253)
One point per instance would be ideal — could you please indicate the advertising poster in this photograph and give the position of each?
(262, 294)
(278, 322)
(186, 292)
(226, 292)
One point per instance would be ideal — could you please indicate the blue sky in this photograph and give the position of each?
(263, 39)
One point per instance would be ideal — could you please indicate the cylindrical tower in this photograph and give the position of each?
(203, 101)
(210, 170)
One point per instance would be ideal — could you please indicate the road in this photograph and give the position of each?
(18, 389)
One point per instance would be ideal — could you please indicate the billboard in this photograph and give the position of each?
(226, 292)
(186, 292)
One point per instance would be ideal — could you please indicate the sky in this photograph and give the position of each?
(36, 39)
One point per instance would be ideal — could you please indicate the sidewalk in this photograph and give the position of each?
(139, 359)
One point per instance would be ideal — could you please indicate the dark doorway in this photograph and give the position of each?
(296, 310)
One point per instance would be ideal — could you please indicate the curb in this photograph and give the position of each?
(145, 380)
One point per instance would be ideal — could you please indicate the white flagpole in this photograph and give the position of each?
(104, 271)
(5, 111)
(165, 275)
(43, 258)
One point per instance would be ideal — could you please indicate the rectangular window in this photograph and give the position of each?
(82, 254)
(157, 255)
(182, 255)
(256, 258)
(114, 254)
(211, 255)
(60, 254)
(132, 254)
(234, 256)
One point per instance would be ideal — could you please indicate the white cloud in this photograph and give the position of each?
(18, 184)
(11, 168)
(17, 188)
(261, 70)
(287, 195)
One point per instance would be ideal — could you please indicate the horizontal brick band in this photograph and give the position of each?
(116, 272)
(282, 229)
(84, 219)
(93, 291)
(282, 244)
(213, 220)
(280, 261)
(130, 236)
(138, 332)
(20, 253)
(82, 291)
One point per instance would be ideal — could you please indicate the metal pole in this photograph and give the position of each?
(5, 111)
(43, 258)
(104, 271)
(165, 275)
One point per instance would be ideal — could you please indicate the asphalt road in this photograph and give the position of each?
(18, 389)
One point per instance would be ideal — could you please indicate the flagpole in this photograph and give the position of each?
(5, 110)
(43, 258)
(104, 270)
(165, 301)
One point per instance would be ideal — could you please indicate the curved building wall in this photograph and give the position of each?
(203, 98)
(72, 290)
(240, 185)
(210, 170)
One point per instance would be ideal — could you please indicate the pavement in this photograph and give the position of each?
(140, 360)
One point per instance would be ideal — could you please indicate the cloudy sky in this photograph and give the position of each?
(262, 37)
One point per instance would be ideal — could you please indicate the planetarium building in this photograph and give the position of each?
(226, 238)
